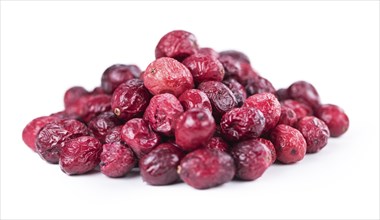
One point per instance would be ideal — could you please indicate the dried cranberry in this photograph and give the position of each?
(116, 159)
(251, 158)
(117, 74)
(177, 44)
(73, 94)
(167, 75)
(217, 143)
(194, 128)
(268, 104)
(206, 168)
(113, 135)
(242, 123)
(259, 85)
(208, 51)
(232, 67)
(159, 167)
(102, 123)
(80, 155)
(336, 120)
(221, 97)
(271, 148)
(162, 112)
(237, 89)
(204, 68)
(130, 99)
(30, 132)
(315, 132)
(98, 91)
(299, 108)
(64, 115)
(282, 94)
(304, 92)
(139, 136)
(289, 143)
(194, 98)
(288, 116)
(237, 55)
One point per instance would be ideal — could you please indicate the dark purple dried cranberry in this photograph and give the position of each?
(113, 135)
(80, 155)
(217, 143)
(304, 92)
(204, 68)
(282, 94)
(237, 89)
(194, 98)
(251, 158)
(137, 134)
(159, 167)
(116, 159)
(237, 55)
(102, 123)
(73, 94)
(288, 116)
(315, 132)
(117, 74)
(30, 132)
(299, 108)
(194, 128)
(208, 51)
(206, 168)
(98, 91)
(130, 99)
(271, 148)
(64, 115)
(259, 85)
(336, 120)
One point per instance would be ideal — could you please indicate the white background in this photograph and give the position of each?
(47, 47)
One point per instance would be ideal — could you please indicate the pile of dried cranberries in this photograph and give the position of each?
(194, 115)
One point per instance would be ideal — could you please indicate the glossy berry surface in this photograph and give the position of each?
(288, 116)
(208, 51)
(204, 68)
(116, 159)
(237, 89)
(259, 85)
(113, 135)
(217, 143)
(194, 98)
(335, 118)
(30, 132)
(304, 92)
(102, 123)
(315, 132)
(237, 55)
(299, 108)
(206, 168)
(271, 148)
(117, 74)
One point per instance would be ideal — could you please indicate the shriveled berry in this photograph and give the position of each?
(206, 168)
(288, 116)
(117, 74)
(167, 75)
(282, 94)
(204, 68)
(289, 143)
(102, 123)
(217, 143)
(259, 85)
(242, 123)
(159, 167)
(161, 113)
(113, 135)
(299, 108)
(251, 158)
(64, 115)
(97, 91)
(194, 98)
(304, 92)
(268, 104)
(237, 55)
(80, 155)
(30, 132)
(139, 136)
(315, 132)
(208, 51)
(194, 128)
(271, 148)
(130, 99)
(177, 44)
(336, 120)
(232, 67)
(73, 94)
(116, 159)
(237, 89)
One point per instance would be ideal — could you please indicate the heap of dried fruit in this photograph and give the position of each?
(194, 115)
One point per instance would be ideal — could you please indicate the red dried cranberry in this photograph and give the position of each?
(80, 155)
(282, 94)
(159, 167)
(237, 89)
(73, 94)
(221, 97)
(194, 98)
(289, 143)
(304, 92)
(102, 123)
(116, 160)
(259, 85)
(130, 99)
(288, 116)
(64, 115)
(299, 108)
(271, 148)
(177, 44)
(251, 158)
(336, 120)
(204, 68)
(29, 134)
(162, 112)
(206, 168)
(167, 75)
(315, 132)
(51, 138)
(217, 143)
(117, 74)
(113, 135)
(237, 55)
(242, 123)
(268, 104)
(137, 134)
(97, 91)
(208, 51)
(194, 128)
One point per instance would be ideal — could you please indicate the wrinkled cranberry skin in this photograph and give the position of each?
(73, 94)
(237, 55)
(217, 143)
(102, 123)
(271, 148)
(114, 135)
(162, 112)
(130, 99)
(176, 44)
(242, 123)
(288, 116)
(251, 158)
(304, 92)
(159, 167)
(30, 132)
(299, 108)
(64, 115)
(268, 104)
(336, 120)
(221, 97)
(282, 94)
(206, 168)
(204, 68)
(80, 155)
(116, 160)
(50, 139)
(167, 75)
(194, 128)
(237, 89)
(289, 143)
(208, 51)
(315, 132)
(137, 134)
(259, 85)
(117, 74)
(194, 98)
